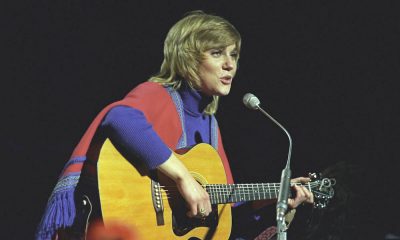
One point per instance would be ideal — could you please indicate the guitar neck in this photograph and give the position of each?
(231, 193)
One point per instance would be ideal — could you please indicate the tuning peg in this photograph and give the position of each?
(314, 176)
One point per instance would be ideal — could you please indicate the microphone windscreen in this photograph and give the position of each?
(251, 101)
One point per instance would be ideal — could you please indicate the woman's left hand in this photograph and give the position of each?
(303, 195)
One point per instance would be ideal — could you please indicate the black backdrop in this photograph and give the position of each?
(325, 69)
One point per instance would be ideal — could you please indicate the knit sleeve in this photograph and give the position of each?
(128, 129)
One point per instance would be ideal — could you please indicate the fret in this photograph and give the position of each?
(234, 193)
(250, 190)
(263, 189)
(237, 192)
(224, 193)
(217, 190)
(221, 192)
(269, 191)
(254, 191)
(227, 193)
(241, 192)
(212, 192)
(215, 194)
(271, 188)
(246, 191)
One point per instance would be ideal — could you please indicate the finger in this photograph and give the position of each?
(300, 193)
(190, 214)
(305, 195)
(205, 209)
(201, 212)
(291, 203)
(192, 210)
(301, 180)
(300, 196)
(208, 208)
(204, 204)
(309, 196)
(208, 204)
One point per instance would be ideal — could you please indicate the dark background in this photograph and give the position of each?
(327, 70)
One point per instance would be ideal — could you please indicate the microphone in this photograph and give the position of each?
(253, 103)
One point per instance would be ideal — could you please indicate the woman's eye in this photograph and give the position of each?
(216, 53)
(234, 55)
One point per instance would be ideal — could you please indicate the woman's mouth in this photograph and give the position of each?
(226, 80)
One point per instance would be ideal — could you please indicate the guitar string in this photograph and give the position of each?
(234, 194)
(251, 191)
(251, 184)
(238, 196)
(229, 194)
(245, 191)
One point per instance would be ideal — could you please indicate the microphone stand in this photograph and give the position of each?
(282, 203)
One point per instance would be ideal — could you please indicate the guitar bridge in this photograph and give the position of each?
(157, 202)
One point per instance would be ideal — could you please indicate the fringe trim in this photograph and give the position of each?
(60, 210)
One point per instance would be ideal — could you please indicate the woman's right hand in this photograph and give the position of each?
(196, 197)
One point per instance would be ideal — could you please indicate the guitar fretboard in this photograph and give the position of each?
(230, 193)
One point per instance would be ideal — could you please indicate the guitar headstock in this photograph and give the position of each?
(322, 188)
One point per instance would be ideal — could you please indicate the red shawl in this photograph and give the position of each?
(159, 109)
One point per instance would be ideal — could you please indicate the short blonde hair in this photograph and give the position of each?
(185, 44)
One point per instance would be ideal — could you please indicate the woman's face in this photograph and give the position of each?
(217, 69)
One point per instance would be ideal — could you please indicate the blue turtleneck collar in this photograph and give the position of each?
(194, 102)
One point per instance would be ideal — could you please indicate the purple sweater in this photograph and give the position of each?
(128, 128)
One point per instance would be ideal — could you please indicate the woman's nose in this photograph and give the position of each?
(229, 63)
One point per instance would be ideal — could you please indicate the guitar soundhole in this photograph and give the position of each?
(182, 224)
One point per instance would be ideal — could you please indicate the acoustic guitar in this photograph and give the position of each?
(152, 206)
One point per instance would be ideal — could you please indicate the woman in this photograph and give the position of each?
(174, 109)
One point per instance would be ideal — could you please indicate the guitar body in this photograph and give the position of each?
(126, 196)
